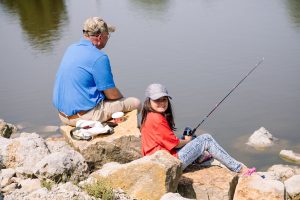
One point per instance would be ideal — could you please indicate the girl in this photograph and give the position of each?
(157, 128)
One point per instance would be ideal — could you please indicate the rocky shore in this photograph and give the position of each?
(111, 167)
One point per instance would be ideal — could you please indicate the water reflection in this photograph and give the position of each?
(153, 8)
(294, 11)
(40, 20)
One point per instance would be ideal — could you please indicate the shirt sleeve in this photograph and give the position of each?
(165, 135)
(102, 74)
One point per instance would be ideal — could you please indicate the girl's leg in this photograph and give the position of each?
(205, 142)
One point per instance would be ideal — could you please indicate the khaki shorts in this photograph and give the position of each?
(103, 111)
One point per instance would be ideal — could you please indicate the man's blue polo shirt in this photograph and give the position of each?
(83, 74)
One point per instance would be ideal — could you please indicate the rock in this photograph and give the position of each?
(62, 166)
(4, 143)
(119, 194)
(292, 186)
(147, 178)
(30, 185)
(255, 187)
(25, 151)
(261, 138)
(269, 175)
(66, 191)
(123, 146)
(9, 188)
(290, 156)
(283, 172)
(5, 177)
(173, 196)
(57, 145)
(6, 129)
(212, 183)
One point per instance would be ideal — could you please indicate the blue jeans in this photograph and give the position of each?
(205, 142)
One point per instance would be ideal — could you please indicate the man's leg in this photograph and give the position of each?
(103, 111)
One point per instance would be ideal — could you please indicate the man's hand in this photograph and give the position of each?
(112, 94)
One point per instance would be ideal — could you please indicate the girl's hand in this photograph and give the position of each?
(184, 141)
(188, 138)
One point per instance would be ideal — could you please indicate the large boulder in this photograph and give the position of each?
(212, 183)
(292, 186)
(6, 129)
(147, 178)
(123, 146)
(255, 187)
(290, 156)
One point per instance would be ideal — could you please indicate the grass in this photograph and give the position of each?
(47, 184)
(100, 189)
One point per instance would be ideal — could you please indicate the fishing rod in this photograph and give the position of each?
(188, 131)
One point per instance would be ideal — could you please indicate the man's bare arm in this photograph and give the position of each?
(113, 94)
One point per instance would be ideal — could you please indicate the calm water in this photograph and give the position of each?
(198, 48)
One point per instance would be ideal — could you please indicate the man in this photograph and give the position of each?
(84, 86)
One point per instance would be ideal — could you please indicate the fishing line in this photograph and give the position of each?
(217, 105)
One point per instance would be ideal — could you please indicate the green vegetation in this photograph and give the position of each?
(100, 189)
(47, 184)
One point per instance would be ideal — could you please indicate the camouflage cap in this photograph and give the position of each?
(96, 25)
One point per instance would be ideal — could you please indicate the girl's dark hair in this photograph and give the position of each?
(168, 114)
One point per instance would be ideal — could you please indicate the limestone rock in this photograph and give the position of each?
(283, 172)
(212, 183)
(6, 129)
(66, 191)
(30, 185)
(9, 188)
(123, 146)
(261, 138)
(290, 156)
(119, 194)
(255, 187)
(5, 177)
(4, 143)
(173, 196)
(57, 145)
(62, 166)
(25, 151)
(292, 186)
(147, 178)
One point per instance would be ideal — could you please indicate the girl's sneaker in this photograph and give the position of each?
(205, 157)
(250, 171)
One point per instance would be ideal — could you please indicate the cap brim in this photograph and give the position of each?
(159, 95)
(111, 28)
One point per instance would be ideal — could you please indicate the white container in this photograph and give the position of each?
(118, 117)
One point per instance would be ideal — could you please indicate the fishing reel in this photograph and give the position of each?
(188, 132)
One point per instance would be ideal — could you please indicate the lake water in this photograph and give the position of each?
(199, 49)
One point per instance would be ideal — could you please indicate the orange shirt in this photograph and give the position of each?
(157, 135)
